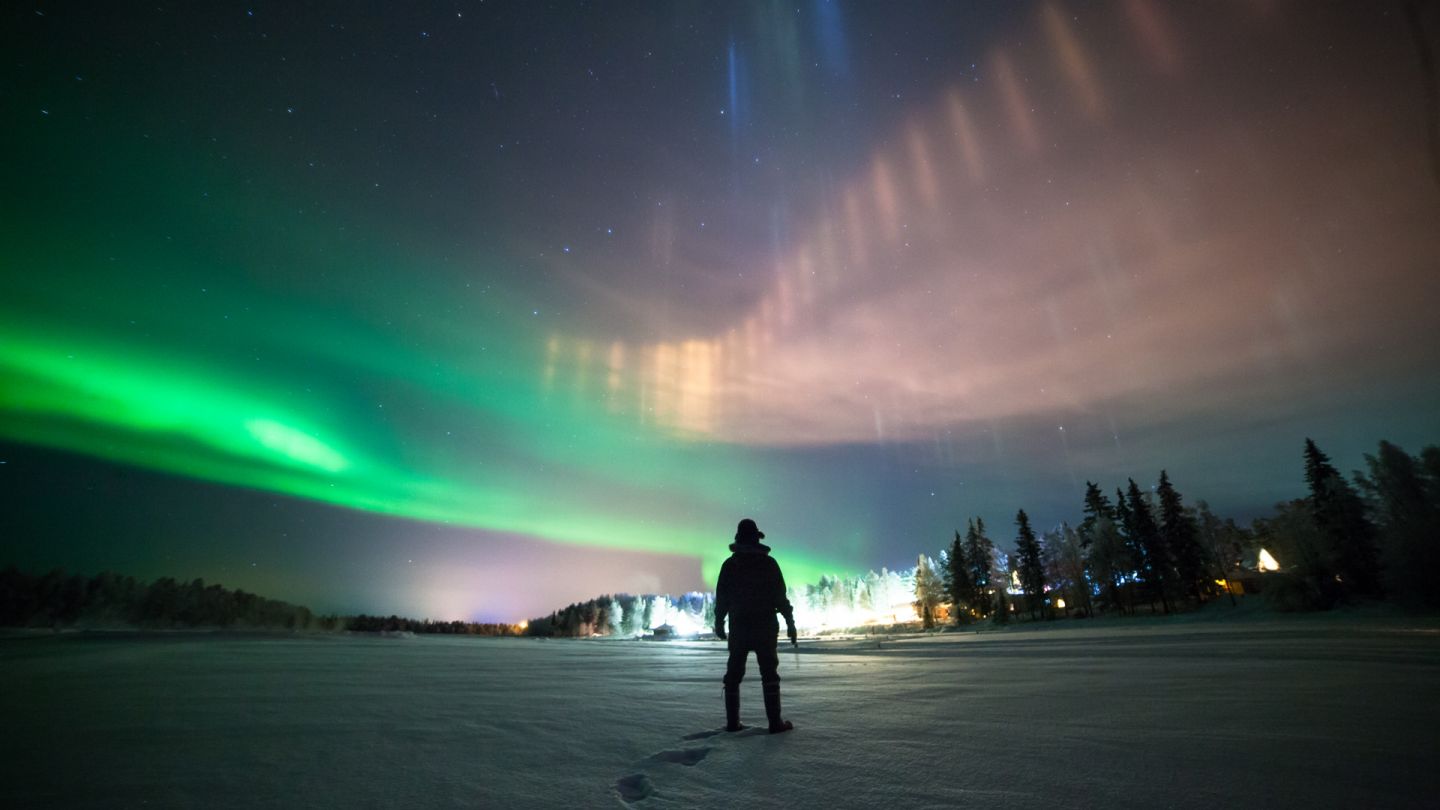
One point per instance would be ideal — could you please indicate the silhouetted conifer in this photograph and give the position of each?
(1029, 564)
(980, 556)
(1140, 528)
(1178, 535)
(958, 588)
(1339, 515)
(1097, 506)
(1405, 494)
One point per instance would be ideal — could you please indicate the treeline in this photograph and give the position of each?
(1374, 536)
(56, 599)
(626, 615)
(1143, 550)
(400, 624)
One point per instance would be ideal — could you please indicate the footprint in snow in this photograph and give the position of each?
(681, 756)
(634, 787)
(638, 787)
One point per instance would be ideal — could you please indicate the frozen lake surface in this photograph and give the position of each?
(1305, 712)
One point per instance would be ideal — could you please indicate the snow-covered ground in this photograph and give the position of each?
(1296, 713)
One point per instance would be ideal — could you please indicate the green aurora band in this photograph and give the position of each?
(174, 336)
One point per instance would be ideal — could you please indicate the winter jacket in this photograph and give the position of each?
(751, 589)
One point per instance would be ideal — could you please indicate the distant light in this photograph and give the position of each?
(1268, 562)
(1060, 603)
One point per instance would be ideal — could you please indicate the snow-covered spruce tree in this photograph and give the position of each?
(1064, 561)
(1030, 565)
(929, 590)
(869, 586)
(647, 613)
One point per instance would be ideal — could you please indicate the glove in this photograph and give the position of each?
(720, 630)
(790, 631)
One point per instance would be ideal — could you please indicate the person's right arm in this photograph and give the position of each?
(782, 602)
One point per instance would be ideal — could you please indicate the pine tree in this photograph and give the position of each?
(958, 587)
(1002, 607)
(1339, 515)
(1405, 494)
(980, 555)
(1155, 566)
(1122, 522)
(1030, 564)
(1097, 506)
(1110, 562)
(1178, 536)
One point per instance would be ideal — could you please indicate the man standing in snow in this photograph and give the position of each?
(751, 591)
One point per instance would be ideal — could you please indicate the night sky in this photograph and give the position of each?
(471, 311)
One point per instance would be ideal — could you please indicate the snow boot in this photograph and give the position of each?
(772, 710)
(732, 709)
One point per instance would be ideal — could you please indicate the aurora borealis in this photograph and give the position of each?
(471, 311)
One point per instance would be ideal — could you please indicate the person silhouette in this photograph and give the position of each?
(751, 591)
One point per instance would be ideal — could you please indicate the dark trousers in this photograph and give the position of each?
(763, 640)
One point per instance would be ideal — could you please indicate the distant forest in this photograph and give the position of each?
(1372, 536)
(107, 600)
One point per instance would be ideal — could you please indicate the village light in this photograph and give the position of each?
(1268, 562)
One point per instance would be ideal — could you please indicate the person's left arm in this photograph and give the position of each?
(782, 602)
(722, 599)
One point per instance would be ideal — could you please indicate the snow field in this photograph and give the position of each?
(1286, 713)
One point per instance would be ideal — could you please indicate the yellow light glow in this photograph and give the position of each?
(1060, 603)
